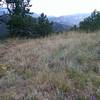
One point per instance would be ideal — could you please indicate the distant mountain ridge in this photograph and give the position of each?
(70, 20)
(57, 27)
(60, 24)
(64, 19)
(64, 23)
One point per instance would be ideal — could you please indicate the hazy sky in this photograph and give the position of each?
(64, 7)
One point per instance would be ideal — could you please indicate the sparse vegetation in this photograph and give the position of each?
(66, 66)
(57, 67)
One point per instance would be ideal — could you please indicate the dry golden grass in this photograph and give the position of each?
(64, 66)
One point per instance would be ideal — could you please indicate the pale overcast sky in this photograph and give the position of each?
(64, 7)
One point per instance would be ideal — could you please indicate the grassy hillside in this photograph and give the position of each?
(62, 67)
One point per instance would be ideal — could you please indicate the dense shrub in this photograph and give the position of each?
(91, 23)
(20, 26)
(28, 26)
(44, 27)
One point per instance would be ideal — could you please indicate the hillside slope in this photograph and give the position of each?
(62, 67)
(70, 20)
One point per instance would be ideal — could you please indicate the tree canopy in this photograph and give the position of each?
(19, 7)
(22, 24)
(91, 23)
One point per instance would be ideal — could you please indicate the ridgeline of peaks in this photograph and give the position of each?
(69, 20)
(60, 24)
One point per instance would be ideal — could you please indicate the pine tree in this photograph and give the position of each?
(91, 23)
(44, 26)
(18, 7)
(22, 24)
